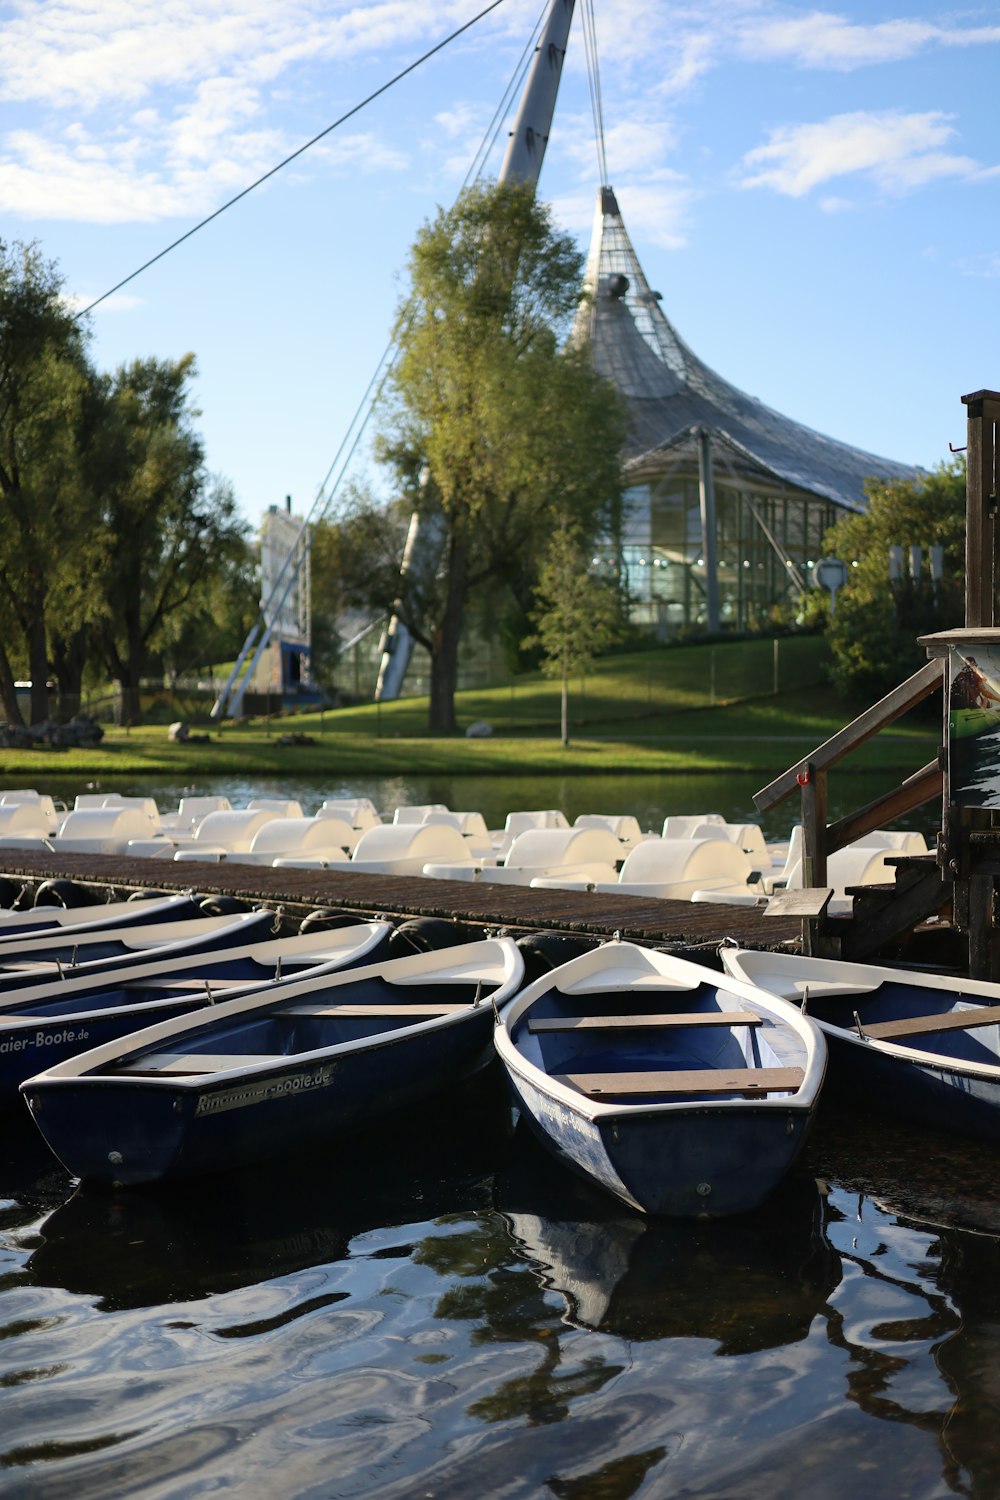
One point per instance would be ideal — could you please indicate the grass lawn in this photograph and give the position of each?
(677, 709)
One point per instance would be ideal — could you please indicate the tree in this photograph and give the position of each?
(175, 529)
(576, 615)
(494, 430)
(874, 631)
(46, 545)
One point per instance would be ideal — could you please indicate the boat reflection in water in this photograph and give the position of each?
(428, 1306)
(757, 1281)
(138, 1248)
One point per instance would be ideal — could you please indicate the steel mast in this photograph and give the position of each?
(522, 163)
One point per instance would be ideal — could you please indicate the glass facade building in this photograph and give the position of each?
(726, 500)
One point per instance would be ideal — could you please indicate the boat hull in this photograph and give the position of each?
(265, 1073)
(937, 1060)
(30, 964)
(126, 1133)
(699, 1163)
(930, 1093)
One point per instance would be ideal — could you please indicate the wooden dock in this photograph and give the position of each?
(678, 925)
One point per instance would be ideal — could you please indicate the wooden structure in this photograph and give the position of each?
(959, 880)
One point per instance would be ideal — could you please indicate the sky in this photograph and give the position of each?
(814, 192)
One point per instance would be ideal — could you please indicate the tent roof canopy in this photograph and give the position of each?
(671, 395)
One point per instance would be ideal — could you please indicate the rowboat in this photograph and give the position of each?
(923, 1045)
(36, 959)
(261, 1074)
(676, 1089)
(42, 1023)
(15, 925)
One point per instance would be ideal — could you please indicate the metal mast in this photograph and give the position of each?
(522, 163)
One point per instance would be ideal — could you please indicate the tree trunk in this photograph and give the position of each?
(38, 665)
(128, 683)
(69, 657)
(444, 644)
(564, 710)
(8, 692)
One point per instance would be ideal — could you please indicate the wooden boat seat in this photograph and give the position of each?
(952, 1020)
(694, 1081)
(636, 1023)
(155, 1063)
(417, 1012)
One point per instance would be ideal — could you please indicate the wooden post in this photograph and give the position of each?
(981, 530)
(813, 783)
(982, 539)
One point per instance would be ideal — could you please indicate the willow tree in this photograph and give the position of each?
(497, 429)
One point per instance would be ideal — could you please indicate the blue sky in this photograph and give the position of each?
(814, 193)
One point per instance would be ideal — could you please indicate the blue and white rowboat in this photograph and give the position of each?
(923, 1045)
(42, 1023)
(256, 1076)
(675, 1088)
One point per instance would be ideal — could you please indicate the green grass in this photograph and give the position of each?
(679, 709)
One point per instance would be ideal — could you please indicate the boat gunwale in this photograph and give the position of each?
(938, 1061)
(151, 967)
(80, 1068)
(776, 1010)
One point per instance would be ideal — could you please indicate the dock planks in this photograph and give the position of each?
(682, 924)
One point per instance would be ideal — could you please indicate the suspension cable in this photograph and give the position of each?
(594, 79)
(356, 109)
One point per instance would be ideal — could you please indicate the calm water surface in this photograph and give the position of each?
(440, 1311)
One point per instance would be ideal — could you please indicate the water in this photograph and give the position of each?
(649, 798)
(438, 1310)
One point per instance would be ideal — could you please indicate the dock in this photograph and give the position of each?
(678, 925)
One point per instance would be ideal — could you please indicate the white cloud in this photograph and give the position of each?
(834, 205)
(986, 264)
(823, 39)
(899, 151)
(118, 302)
(657, 210)
(637, 144)
(464, 121)
(89, 52)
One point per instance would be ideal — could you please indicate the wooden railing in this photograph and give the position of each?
(809, 777)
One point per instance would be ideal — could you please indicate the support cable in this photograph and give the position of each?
(231, 697)
(594, 81)
(356, 109)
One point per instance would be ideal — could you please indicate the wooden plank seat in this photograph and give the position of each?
(155, 1063)
(419, 1012)
(692, 1081)
(952, 1020)
(638, 1023)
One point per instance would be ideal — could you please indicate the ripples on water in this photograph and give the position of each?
(442, 1312)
